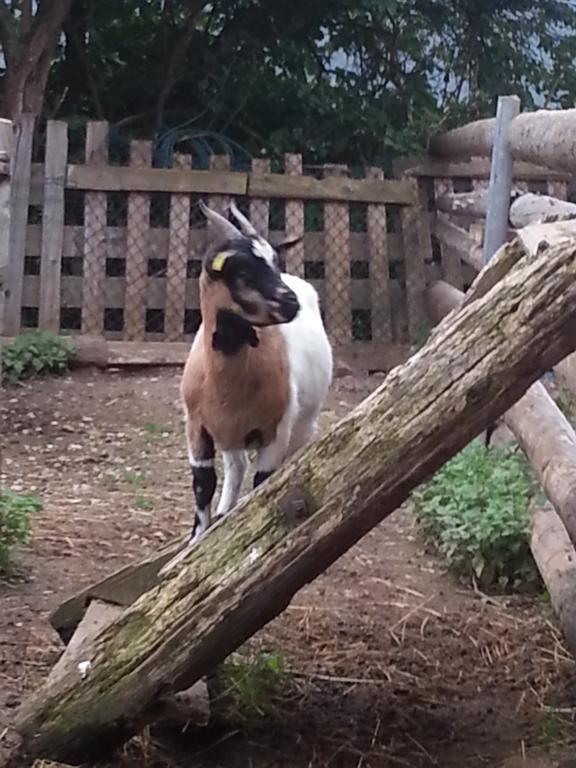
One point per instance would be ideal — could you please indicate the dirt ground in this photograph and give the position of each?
(389, 662)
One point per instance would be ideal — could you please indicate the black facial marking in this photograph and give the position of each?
(204, 485)
(253, 439)
(259, 478)
(232, 333)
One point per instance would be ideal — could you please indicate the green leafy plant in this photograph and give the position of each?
(15, 511)
(248, 682)
(35, 353)
(475, 511)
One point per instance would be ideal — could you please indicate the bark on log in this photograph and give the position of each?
(464, 203)
(246, 570)
(556, 561)
(531, 209)
(544, 137)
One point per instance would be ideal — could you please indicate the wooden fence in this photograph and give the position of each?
(115, 250)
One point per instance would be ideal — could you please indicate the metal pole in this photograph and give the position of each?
(496, 231)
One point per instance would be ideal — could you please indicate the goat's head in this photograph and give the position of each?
(246, 265)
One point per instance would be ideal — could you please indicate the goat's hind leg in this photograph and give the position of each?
(201, 457)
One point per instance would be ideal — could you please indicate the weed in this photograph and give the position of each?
(15, 511)
(475, 511)
(565, 402)
(153, 429)
(249, 682)
(135, 477)
(35, 353)
(143, 502)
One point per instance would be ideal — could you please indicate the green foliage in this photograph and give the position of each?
(475, 511)
(35, 353)
(248, 682)
(340, 81)
(15, 511)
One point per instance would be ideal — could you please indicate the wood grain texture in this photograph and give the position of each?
(177, 261)
(95, 234)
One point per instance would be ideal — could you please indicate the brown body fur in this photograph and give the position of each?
(233, 396)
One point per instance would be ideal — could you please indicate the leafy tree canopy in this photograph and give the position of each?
(338, 80)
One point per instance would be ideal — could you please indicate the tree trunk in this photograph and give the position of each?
(28, 64)
(246, 570)
(544, 137)
(531, 209)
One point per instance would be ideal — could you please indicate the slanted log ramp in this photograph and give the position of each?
(518, 320)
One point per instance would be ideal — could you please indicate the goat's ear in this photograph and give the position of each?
(245, 225)
(222, 229)
(284, 245)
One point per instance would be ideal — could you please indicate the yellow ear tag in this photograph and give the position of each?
(218, 260)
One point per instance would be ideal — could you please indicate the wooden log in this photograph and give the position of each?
(477, 168)
(532, 209)
(454, 237)
(247, 568)
(556, 560)
(53, 225)
(545, 137)
(473, 204)
(190, 707)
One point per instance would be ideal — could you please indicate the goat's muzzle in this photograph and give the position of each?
(288, 306)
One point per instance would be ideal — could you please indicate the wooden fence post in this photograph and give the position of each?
(96, 154)
(294, 219)
(21, 169)
(53, 225)
(5, 189)
(500, 178)
(178, 244)
(338, 305)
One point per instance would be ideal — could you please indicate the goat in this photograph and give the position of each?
(259, 368)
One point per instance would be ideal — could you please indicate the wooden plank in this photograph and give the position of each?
(377, 234)
(221, 201)
(337, 307)
(456, 240)
(138, 227)
(96, 154)
(557, 189)
(177, 259)
(260, 207)
(19, 201)
(294, 218)
(53, 225)
(414, 261)
(451, 263)
(142, 179)
(479, 168)
(115, 243)
(5, 216)
(333, 189)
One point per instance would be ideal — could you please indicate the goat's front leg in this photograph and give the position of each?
(235, 463)
(201, 457)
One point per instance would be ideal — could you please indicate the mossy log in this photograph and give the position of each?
(245, 571)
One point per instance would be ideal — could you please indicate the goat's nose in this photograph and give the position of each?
(289, 304)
